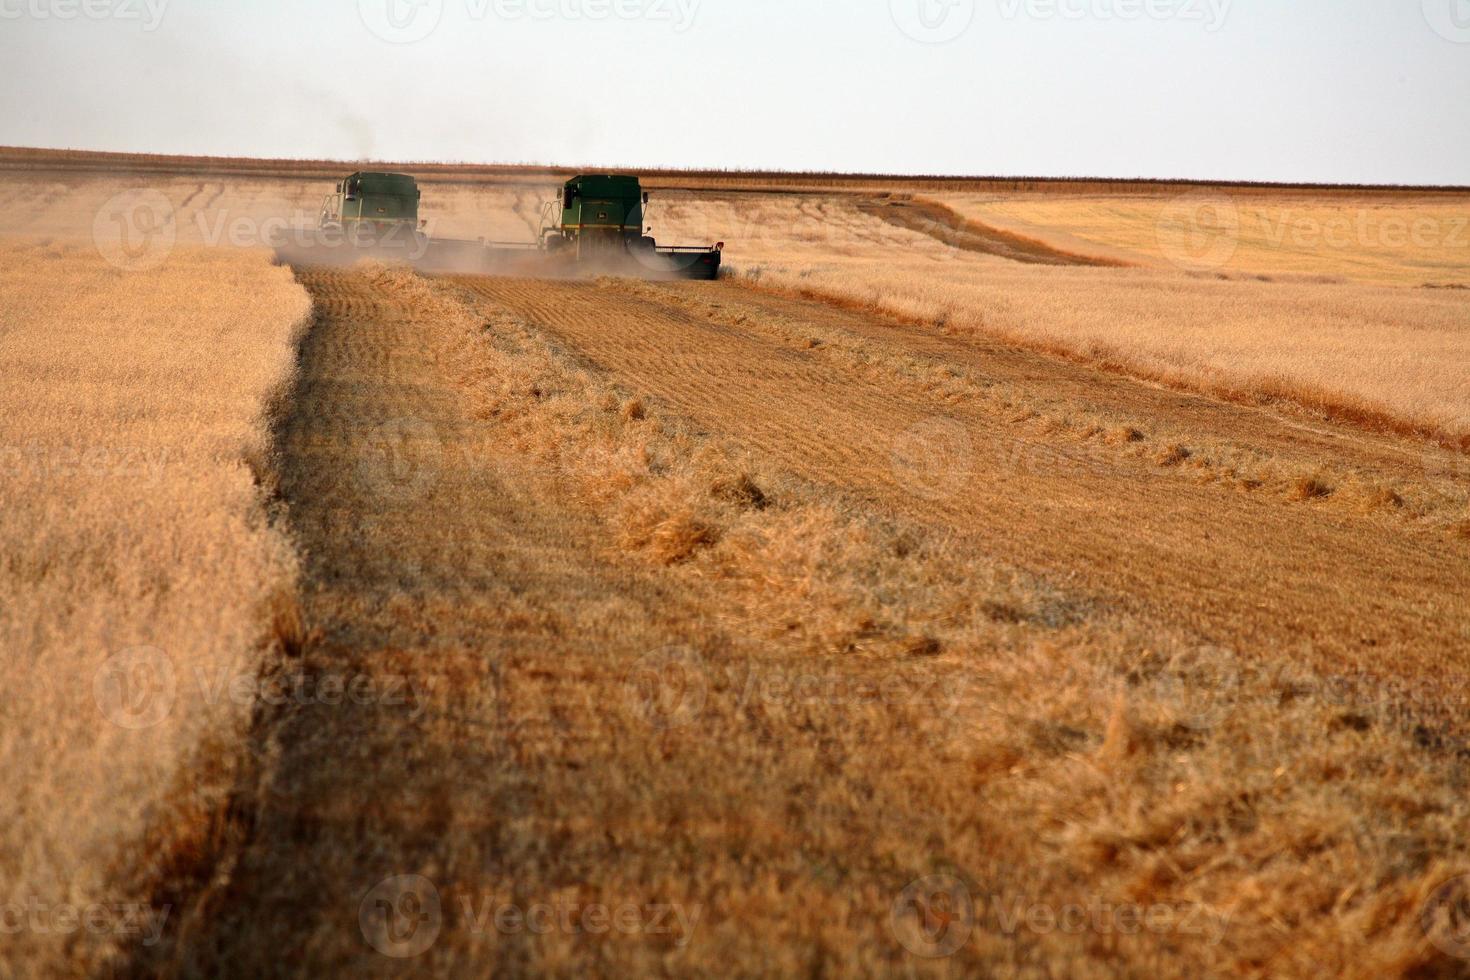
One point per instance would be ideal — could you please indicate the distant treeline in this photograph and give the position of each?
(25, 158)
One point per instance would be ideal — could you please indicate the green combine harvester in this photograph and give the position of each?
(369, 214)
(601, 225)
(597, 228)
(372, 210)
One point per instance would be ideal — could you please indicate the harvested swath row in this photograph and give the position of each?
(1235, 567)
(1373, 412)
(1346, 356)
(673, 496)
(1414, 495)
(1082, 747)
(526, 782)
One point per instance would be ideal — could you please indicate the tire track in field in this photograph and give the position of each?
(1333, 589)
(472, 613)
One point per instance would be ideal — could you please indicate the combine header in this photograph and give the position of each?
(597, 228)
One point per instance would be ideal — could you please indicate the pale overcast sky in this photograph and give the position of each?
(1297, 90)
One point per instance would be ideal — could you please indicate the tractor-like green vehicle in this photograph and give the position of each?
(596, 228)
(601, 223)
(374, 210)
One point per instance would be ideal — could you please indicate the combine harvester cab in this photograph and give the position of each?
(369, 214)
(375, 210)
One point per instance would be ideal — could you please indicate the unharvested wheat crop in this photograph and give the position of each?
(138, 571)
(1397, 239)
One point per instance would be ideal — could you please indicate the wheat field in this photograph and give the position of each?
(140, 575)
(657, 669)
(890, 607)
(1357, 351)
(1389, 239)
(1357, 348)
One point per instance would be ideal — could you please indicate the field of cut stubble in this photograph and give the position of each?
(893, 606)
